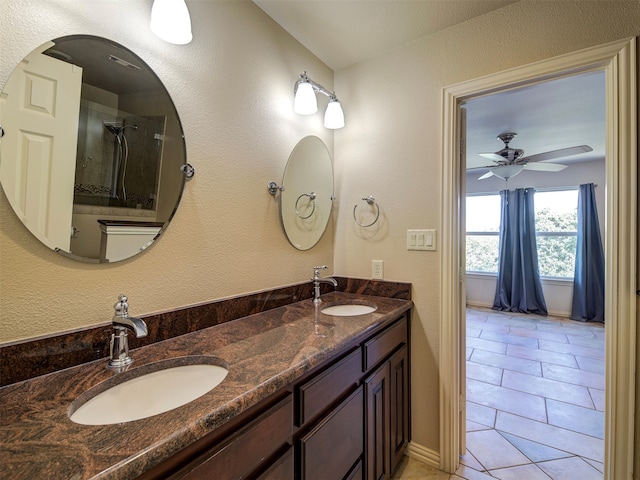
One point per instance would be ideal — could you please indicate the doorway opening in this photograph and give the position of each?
(617, 61)
(535, 384)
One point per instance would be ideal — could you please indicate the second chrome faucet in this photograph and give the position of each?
(317, 281)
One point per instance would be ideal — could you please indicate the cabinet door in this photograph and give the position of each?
(377, 391)
(331, 449)
(399, 393)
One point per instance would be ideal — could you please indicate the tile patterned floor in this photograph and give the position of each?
(535, 400)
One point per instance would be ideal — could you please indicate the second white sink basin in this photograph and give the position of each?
(141, 396)
(348, 310)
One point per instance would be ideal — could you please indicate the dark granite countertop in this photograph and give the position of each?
(265, 352)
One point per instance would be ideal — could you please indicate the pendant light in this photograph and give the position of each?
(305, 102)
(334, 116)
(171, 22)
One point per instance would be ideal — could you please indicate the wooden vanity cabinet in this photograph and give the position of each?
(381, 418)
(347, 419)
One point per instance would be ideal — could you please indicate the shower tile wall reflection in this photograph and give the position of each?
(118, 158)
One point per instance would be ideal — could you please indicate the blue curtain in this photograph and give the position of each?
(588, 282)
(518, 288)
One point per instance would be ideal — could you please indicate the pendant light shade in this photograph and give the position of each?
(507, 171)
(171, 22)
(305, 102)
(334, 116)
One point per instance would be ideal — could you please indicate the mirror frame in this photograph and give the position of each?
(172, 121)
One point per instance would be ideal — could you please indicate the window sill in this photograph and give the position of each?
(481, 275)
(560, 281)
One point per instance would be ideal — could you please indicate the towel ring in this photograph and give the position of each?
(371, 201)
(312, 196)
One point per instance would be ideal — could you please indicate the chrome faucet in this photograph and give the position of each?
(317, 281)
(119, 348)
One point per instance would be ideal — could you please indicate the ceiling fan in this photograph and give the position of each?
(509, 162)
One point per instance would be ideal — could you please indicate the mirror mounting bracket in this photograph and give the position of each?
(188, 170)
(273, 188)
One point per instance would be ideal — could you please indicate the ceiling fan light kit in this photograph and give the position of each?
(509, 162)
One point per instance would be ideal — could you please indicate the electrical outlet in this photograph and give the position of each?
(377, 269)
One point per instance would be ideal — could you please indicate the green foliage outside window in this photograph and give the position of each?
(556, 253)
(482, 253)
(556, 243)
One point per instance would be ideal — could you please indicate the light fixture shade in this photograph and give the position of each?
(171, 22)
(334, 116)
(507, 171)
(305, 102)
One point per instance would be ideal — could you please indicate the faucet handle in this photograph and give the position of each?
(317, 268)
(122, 307)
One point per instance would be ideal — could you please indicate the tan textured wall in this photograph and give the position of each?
(392, 148)
(233, 89)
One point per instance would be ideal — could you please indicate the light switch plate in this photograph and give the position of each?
(421, 239)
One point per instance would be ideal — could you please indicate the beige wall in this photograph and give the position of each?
(233, 89)
(391, 148)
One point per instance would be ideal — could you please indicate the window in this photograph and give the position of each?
(483, 231)
(556, 232)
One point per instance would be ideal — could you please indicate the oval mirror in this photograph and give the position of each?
(307, 194)
(93, 148)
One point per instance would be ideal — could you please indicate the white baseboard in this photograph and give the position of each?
(552, 313)
(423, 454)
(472, 303)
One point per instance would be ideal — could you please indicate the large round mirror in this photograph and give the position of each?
(93, 148)
(307, 193)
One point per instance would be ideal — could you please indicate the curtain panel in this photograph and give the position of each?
(588, 282)
(518, 286)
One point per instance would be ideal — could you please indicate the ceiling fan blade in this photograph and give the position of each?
(486, 175)
(492, 156)
(545, 167)
(563, 152)
(483, 166)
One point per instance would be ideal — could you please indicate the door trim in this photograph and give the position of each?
(618, 60)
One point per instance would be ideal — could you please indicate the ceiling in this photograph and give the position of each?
(556, 114)
(548, 116)
(345, 32)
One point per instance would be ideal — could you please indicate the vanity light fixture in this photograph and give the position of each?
(305, 102)
(171, 22)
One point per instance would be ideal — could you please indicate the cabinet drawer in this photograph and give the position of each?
(253, 445)
(321, 391)
(384, 343)
(281, 469)
(332, 448)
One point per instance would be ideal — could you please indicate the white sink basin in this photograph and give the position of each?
(348, 310)
(140, 396)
